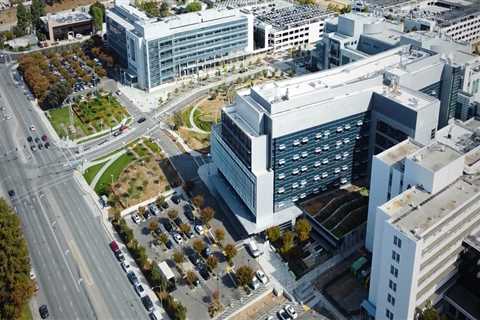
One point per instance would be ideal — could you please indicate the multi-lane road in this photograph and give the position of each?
(78, 276)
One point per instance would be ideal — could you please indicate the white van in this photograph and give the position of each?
(252, 247)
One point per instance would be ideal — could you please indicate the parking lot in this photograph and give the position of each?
(195, 298)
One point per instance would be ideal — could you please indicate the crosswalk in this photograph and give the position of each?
(244, 300)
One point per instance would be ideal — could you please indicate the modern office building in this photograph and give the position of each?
(61, 26)
(293, 27)
(283, 141)
(354, 36)
(427, 203)
(157, 51)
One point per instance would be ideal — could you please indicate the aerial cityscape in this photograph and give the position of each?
(240, 159)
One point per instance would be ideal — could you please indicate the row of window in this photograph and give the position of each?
(317, 163)
(317, 177)
(315, 190)
(325, 147)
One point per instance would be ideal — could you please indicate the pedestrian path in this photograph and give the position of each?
(193, 125)
(105, 167)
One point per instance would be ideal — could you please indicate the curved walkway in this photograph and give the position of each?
(105, 167)
(193, 125)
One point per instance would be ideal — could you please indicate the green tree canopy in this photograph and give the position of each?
(57, 94)
(97, 16)
(303, 228)
(244, 275)
(193, 6)
(37, 10)
(23, 21)
(16, 288)
(273, 233)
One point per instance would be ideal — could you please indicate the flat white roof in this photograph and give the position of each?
(399, 151)
(166, 270)
(435, 156)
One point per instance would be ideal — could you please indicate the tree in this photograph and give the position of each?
(198, 245)
(287, 241)
(207, 214)
(163, 237)
(164, 9)
(219, 235)
(37, 10)
(152, 225)
(174, 309)
(198, 201)
(172, 214)
(160, 201)
(57, 94)
(178, 257)
(212, 262)
(23, 20)
(230, 252)
(216, 305)
(244, 275)
(190, 277)
(185, 228)
(16, 286)
(193, 6)
(273, 233)
(141, 211)
(303, 228)
(306, 2)
(97, 16)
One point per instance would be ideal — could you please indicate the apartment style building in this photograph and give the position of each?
(159, 50)
(424, 203)
(282, 141)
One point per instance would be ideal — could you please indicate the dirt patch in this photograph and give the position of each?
(261, 307)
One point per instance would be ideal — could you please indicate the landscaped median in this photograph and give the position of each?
(133, 174)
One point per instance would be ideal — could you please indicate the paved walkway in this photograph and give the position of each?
(105, 167)
(192, 120)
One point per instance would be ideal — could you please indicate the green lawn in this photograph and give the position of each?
(60, 120)
(113, 172)
(200, 122)
(92, 171)
(152, 145)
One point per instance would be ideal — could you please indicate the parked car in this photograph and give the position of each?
(147, 303)
(207, 252)
(44, 137)
(136, 218)
(204, 272)
(29, 139)
(125, 266)
(199, 229)
(43, 310)
(152, 316)
(189, 214)
(139, 290)
(254, 284)
(175, 199)
(194, 259)
(291, 311)
(165, 205)
(168, 226)
(11, 193)
(177, 237)
(114, 246)
(153, 209)
(282, 315)
(120, 256)
(37, 139)
(142, 119)
(178, 221)
(169, 244)
(133, 278)
(262, 276)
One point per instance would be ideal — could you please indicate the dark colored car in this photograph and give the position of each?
(152, 316)
(169, 244)
(178, 221)
(29, 139)
(120, 256)
(168, 226)
(37, 139)
(207, 252)
(11, 193)
(47, 145)
(165, 205)
(176, 199)
(40, 146)
(142, 119)
(195, 259)
(204, 272)
(133, 278)
(147, 303)
(43, 310)
(189, 214)
(114, 246)
(44, 137)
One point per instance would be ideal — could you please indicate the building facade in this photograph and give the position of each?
(284, 141)
(158, 51)
(426, 203)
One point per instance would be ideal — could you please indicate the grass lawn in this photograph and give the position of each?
(113, 172)
(152, 146)
(89, 117)
(92, 171)
(60, 120)
(26, 313)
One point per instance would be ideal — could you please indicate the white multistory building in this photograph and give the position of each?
(424, 201)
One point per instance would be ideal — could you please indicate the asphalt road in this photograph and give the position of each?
(77, 274)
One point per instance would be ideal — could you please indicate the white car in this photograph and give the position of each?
(291, 311)
(136, 218)
(32, 128)
(199, 229)
(139, 290)
(125, 266)
(261, 276)
(178, 238)
(254, 284)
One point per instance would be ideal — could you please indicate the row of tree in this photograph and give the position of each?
(28, 19)
(153, 8)
(16, 287)
(287, 240)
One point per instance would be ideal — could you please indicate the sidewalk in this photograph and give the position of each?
(105, 167)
